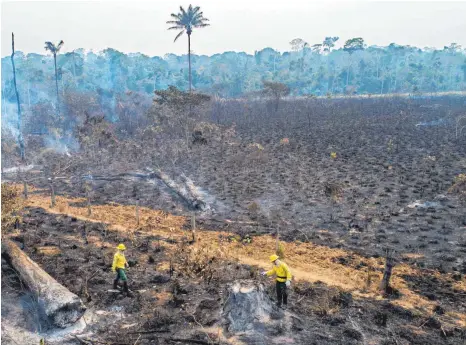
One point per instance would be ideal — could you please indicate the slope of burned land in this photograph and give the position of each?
(334, 295)
(387, 186)
(396, 159)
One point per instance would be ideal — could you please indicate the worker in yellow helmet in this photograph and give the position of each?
(283, 277)
(119, 267)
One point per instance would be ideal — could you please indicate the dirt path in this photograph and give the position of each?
(308, 261)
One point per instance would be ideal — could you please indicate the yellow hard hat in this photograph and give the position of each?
(121, 246)
(273, 258)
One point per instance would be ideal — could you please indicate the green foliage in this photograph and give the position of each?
(329, 43)
(54, 49)
(107, 75)
(187, 20)
(353, 45)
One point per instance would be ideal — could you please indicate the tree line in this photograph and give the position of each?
(317, 70)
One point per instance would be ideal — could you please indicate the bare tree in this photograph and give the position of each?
(385, 287)
(20, 136)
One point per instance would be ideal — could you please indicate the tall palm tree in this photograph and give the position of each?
(54, 49)
(187, 21)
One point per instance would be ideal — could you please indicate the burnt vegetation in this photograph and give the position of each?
(370, 176)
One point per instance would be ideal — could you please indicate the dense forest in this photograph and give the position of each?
(108, 76)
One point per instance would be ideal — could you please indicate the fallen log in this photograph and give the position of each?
(62, 307)
(184, 191)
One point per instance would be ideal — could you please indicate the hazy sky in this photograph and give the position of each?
(237, 25)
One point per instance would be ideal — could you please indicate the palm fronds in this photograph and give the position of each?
(188, 19)
(54, 49)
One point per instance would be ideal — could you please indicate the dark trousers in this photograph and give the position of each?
(282, 296)
(120, 274)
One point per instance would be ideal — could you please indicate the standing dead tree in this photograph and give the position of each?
(385, 288)
(52, 191)
(20, 136)
(334, 191)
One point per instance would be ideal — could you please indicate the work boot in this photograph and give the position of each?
(126, 290)
(115, 284)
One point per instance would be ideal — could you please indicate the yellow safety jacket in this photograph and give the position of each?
(281, 271)
(119, 261)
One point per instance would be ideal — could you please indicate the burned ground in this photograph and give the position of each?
(186, 303)
(393, 169)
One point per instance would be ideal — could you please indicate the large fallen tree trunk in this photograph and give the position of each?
(62, 307)
(185, 191)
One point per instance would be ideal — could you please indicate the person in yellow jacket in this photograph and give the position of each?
(283, 277)
(119, 267)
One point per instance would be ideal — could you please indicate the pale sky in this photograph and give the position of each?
(237, 25)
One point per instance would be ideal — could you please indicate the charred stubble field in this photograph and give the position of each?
(387, 187)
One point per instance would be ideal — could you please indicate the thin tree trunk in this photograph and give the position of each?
(25, 187)
(277, 244)
(56, 81)
(20, 136)
(88, 197)
(189, 61)
(52, 192)
(193, 226)
(137, 212)
(387, 274)
(74, 69)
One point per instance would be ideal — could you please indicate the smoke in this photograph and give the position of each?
(64, 145)
(10, 118)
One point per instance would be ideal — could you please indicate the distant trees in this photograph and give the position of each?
(352, 45)
(55, 49)
(298, 44)
(276, 91)
(186, 21)
(108, 75)
(329, 43)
